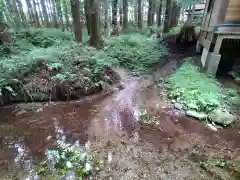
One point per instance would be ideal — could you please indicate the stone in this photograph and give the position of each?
(178, 106)
(196, 115)
(222, 117)
(39, 110)
(212, 127)
(21, 112)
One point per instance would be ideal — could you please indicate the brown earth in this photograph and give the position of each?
(171, 147)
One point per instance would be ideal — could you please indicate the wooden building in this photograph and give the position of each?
(220, 25)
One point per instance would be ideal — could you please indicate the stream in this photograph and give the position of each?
(25, 135)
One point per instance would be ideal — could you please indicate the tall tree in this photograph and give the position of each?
(65, 10)
(151, 12)
(87, 15)
(167, 16)
(95, 37)
(55, 22)
(114, 12)
(16, 13)
(140, 19)
(76, 20)
(40, 10)
(59, 14)
(106, 25)
(37, 21)
(45, 14)
(31, 13)
(50, 11)
(121, 15)
(159, 14)
(4, 35)
(21, 13)
(125, 14)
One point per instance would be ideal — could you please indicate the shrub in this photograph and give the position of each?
(135, 52)
(197, 91)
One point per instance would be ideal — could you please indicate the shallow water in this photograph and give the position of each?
(25, 137)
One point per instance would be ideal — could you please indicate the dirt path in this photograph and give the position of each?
(171, 147)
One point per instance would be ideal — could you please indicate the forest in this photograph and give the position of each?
(111, 89)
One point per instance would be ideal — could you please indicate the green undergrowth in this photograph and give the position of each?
(50, 55)
(54, 51)
(136, 52)
(67, 161)
(197, 91)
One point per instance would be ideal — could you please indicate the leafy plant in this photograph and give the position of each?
(220, 164)
(135, 52)
(204, 165)
(194, 89)
(66, 159)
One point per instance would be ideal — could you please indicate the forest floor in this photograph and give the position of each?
(134, 133)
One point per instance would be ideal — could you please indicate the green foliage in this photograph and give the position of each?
(145, 119)
(220, 164)
(135, 52)
(65, 159)
(58, 53)
(43, 37)
(204, 165)
(199, 92)
(194, 89)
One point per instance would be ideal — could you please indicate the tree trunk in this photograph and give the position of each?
(59, 13)
(95, 38)
(10, 13)
(40, 11)
(135, 11)
(55, 22)
(187, 33)
(114, 12)
(150, 12)
(87, 15)
(159, 14)
(30, 13)
(36, 14)
(9, 19)
(50, 12)
(114, 18)
(167, 16)
(76, 20)
(16, 13)
(106, 7)
(125, 14)
(140, 19)
(45, 14)
(121, 15)
(65, 10)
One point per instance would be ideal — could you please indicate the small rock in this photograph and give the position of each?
(196, 115)
(173, 101)
(212, 127)
(21, 112)
(222, 117)
(39, 110)
(178, 106)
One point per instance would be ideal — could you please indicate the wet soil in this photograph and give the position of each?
(171, 147)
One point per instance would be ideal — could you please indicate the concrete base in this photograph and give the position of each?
(213, 61)
(198, 48)
(204, 57)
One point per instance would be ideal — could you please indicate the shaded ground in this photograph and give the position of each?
(170, 147)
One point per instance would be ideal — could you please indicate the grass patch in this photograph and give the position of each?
(196, 91)
(55, 52)
(135, 52)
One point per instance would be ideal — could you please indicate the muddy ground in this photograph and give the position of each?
(172, 147)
